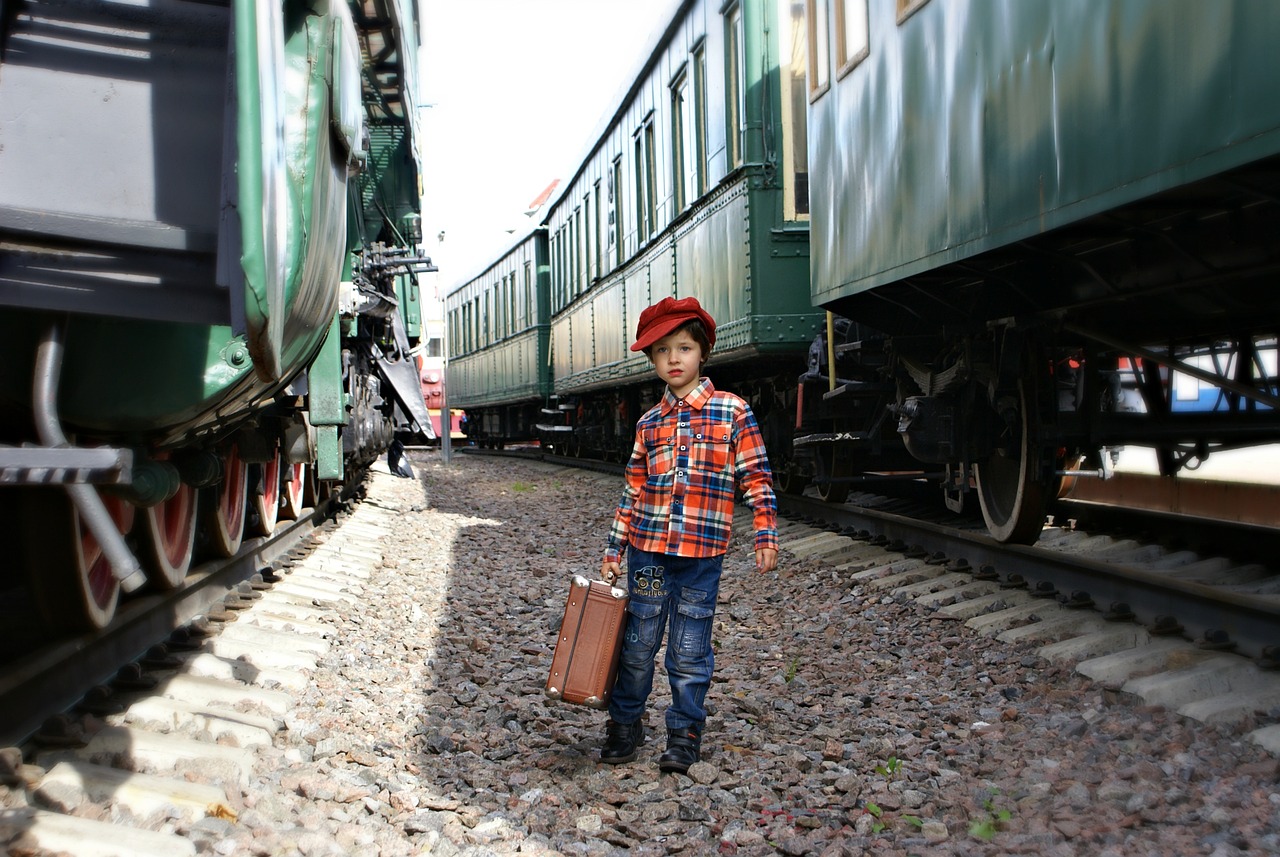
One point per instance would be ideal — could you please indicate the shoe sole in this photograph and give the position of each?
(619, 760)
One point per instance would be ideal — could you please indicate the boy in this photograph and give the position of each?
(674, 523)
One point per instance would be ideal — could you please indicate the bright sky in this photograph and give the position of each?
(517, 89)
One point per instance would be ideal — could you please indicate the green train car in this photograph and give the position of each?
(498, 328)
(209, 215)
(1013, 201)
(694, 185)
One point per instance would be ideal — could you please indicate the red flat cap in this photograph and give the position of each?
(668, 314)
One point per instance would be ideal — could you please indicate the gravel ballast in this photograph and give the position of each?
(842, 721)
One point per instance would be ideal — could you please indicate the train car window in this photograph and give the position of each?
(819, 48)
(596, 237)
(642, 225)
(511, 303)
(853, 43)
(645, 219)
(486, 332)
(615, 210)
(681, 127)
(650, 176)
(556, 301)
(734, 95)
(794, 70)
(587, 244)
(496, 299)
(699, 153)
(579, 262)
(571, 258)
(907, 8)
(529, 317)
(562, 277)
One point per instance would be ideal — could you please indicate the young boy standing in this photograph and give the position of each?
(692, 450)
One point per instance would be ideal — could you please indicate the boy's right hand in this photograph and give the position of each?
(610, 571)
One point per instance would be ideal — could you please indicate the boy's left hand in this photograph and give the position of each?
(766, 559)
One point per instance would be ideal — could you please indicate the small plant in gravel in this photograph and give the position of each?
(789, 675)
(890, 769)
(985, 828)
(521, 487)
(877, 812)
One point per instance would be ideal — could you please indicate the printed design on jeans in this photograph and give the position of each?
(649, 582)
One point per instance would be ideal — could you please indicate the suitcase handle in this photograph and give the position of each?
(614, 592)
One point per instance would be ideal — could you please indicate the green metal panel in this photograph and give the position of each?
(327, 403)
(976, 124)
(292, 216)
(113, 379)
(409, 294)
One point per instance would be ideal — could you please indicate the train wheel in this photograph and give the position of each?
(67, 571)
(226, 512)
(169, 528)
(1012, 487)
(292, 489)
(788, 478)
(266, 503)
(832, 465)
(315, 490)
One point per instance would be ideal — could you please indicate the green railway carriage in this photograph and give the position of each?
(1027, 195)
(209, 220)
(498, 326)
(694, 186)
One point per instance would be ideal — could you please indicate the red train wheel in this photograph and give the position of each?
(292, 489)
(225, 524)
(67, 572)
(266, 503)
(170, 530)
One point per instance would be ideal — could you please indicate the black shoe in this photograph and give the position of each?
(621, 742)
(684, 747)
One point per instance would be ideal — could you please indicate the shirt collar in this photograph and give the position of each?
(697, 397)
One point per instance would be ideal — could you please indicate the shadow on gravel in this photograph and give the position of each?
(506, 762)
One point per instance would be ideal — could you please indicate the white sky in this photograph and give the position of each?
(517, 89)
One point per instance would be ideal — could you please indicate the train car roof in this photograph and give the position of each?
(658, 38)
(496, 260)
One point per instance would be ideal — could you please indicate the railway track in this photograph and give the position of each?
(1195, 631)
(199, 680)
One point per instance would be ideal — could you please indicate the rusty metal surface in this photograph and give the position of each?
(1253, 504)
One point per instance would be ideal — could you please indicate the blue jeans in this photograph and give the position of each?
(674, 594)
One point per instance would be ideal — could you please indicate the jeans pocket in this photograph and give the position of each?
(691, 634)
(644, 623)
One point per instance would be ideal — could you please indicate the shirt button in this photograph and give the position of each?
(683, 447)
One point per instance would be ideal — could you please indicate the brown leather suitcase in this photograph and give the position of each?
(585, 664)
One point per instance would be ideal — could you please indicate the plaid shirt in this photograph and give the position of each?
(679, 496)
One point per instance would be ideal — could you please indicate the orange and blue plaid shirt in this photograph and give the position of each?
(688, 456)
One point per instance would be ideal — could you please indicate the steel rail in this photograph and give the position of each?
(1251, 622)
(54, 678)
